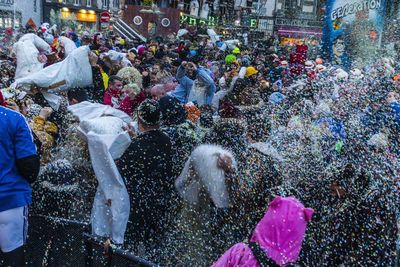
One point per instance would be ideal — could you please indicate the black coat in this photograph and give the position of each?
(146, 168)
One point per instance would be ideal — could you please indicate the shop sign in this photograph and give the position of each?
(193, 21)
(105, 17)
(6, 2)
(298, 22)
(249, 22)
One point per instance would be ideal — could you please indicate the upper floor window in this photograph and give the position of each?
(89, 2)
(77, 2)
(116, 3)
(105, 4)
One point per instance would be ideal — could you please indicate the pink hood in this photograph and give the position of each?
(280, 234)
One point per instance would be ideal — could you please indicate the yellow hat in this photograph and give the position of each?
(251, 71)
(236, 50)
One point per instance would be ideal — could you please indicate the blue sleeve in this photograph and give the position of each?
(180, 73)
(208, 83)
(23, 141)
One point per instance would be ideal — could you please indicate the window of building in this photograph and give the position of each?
(116, 3)
(105, 4)
(7, 19)
(308, 6)
(77, 2)
(89, 2)
(279, 4)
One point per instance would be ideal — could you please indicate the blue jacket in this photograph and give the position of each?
(396, 113)
(182, 91)
(16, 142)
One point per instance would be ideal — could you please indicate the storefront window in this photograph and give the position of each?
(7, 18)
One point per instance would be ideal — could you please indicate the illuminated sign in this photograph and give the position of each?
(250, 22)
(193, 21)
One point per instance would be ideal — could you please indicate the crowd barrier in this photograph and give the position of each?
(58, 242)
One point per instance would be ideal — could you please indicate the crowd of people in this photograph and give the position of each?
(205, 152)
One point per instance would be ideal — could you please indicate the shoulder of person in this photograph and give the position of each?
(15, 117)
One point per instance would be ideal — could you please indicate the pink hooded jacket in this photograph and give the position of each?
(280, 235)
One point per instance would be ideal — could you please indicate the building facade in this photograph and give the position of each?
(82, 14)
(17, 13)
(291, 20)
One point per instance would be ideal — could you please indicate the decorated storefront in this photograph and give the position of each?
(152, 22)
(298, 31)
(72, 16)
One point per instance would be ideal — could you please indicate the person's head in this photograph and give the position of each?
(172, 111)
(191, 68)
(115, 83)
(98, 39)
(281, 231)
(264, 84)
(156, 68)
(77, 95)
(86, 40)
(157, 92)
(132, 54)
(137, 62)
(149, 115)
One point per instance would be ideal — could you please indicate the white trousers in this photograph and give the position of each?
(13, 228)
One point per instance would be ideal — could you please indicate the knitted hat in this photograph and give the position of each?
(251, 71)
(229, 59)
(281, 231)
(276, 98)
(149, 112)
(141, 49)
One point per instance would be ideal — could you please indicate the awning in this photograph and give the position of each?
(300, 32)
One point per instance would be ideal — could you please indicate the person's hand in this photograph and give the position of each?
(45, 112)
(24, 108)
(12, 105)
(42, 59)
(130, 130)
(93, 58)
(184, 63)
(225, 163)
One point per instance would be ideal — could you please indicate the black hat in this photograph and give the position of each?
(149, 112)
